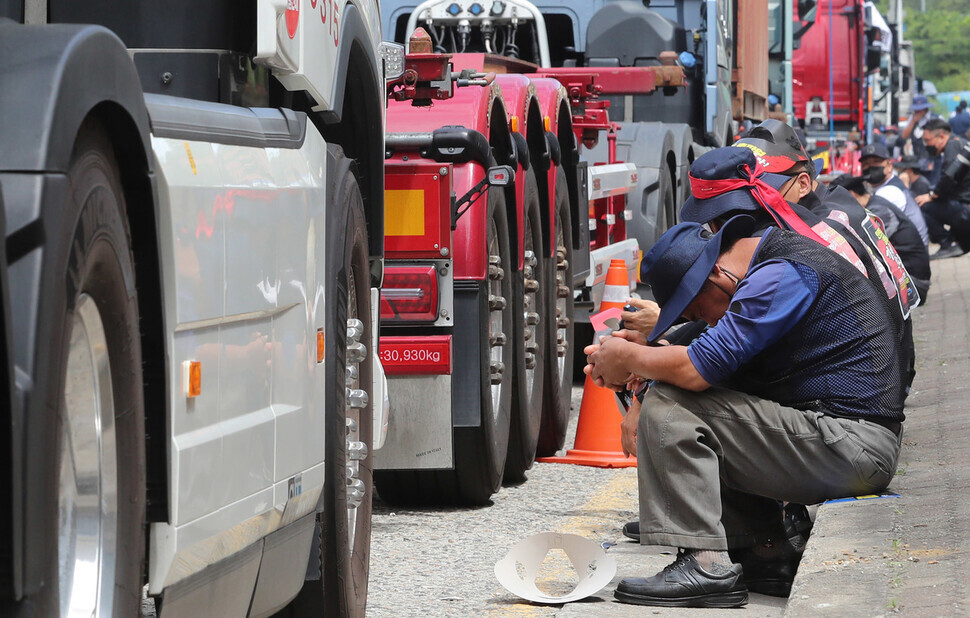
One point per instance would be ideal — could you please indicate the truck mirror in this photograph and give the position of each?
(500, 175)
(873, 58)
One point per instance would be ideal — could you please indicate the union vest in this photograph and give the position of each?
(843, 357)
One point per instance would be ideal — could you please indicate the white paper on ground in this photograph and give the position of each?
(593, 566)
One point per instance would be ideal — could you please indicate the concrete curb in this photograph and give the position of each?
(908, 554)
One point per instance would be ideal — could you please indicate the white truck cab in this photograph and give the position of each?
(190, 315)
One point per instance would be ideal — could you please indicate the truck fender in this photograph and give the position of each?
(651, 147)
(53, 77)
(684, 155)
(353, 28)
(50, 80)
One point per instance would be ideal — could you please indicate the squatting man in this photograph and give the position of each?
(793, 394)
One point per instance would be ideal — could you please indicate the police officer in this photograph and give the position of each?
(948, 203)
(877, 170)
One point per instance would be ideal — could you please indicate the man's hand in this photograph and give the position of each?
(644, 319)
(923, 199)
(628, 429)
(609, 364)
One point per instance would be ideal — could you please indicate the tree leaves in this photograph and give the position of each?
(941, 41)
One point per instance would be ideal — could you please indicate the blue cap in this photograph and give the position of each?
(773, 99)
(721, 164)
(920, 102)
(687, 59)
(680, 262)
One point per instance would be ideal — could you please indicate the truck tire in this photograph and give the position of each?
(479, 452)
(532, 325)
(561, 341)
(344, 526)
(89, 370)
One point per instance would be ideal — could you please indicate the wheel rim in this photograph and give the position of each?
(356, 401)
(530, 315)
(88, 488)
(562, 292)
(496, 318)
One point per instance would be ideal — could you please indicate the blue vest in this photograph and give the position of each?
(843, 358)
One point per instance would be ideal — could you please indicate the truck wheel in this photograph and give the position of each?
(345, 524)
(92, 383)
(531, 337)
(480, 452)
(561, 341)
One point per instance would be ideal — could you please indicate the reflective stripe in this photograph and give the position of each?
(615, 294)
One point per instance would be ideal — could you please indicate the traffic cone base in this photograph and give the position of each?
(597, 432)
(596, 459)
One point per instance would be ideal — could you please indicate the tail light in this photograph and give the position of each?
(410, 293)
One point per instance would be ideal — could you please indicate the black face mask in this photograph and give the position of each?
(932, 151)
(875, 175)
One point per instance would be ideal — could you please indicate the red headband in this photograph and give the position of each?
(767, 196)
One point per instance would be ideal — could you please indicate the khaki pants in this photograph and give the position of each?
(713, 465)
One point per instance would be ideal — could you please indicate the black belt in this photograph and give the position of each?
(894, 426)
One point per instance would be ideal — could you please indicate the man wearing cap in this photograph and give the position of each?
(793, 394)
(877, 170)
(790, 170)
(845, 224)
(948, 202)
(912, 133)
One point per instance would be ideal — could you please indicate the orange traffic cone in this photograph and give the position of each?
(598, 430)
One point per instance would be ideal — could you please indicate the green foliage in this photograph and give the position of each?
(941, 40)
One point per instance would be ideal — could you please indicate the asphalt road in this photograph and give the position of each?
(439, 562)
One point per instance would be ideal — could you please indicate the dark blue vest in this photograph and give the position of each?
(843, 358)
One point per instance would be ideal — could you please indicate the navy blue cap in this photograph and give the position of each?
(874, 149)
(720, 164)
(680, 262)
(920, 102)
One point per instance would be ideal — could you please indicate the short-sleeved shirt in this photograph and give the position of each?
(771, 299)
(905, 203)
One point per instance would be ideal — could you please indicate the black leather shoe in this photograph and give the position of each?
(631, 530)
(772, 575)
(769, 576)
(684, 583)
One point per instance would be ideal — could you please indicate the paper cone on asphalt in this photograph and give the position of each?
(593, 566)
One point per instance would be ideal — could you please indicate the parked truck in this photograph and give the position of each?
(493, 222)
(852, 72)
(193, 221)
(675, 78)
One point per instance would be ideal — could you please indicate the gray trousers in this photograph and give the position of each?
(713, 465)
